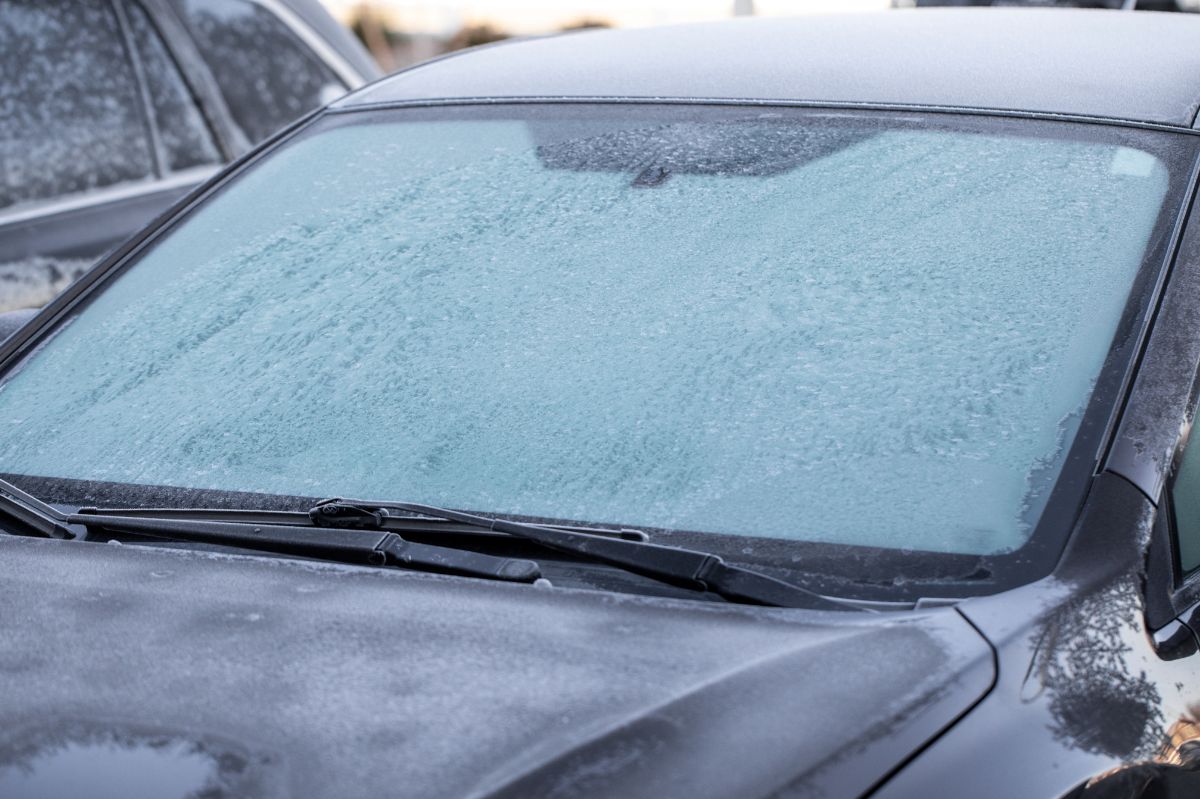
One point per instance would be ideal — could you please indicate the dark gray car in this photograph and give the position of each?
(761, 409)
(110, 110)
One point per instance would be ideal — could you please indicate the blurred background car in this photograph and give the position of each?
(110, 110)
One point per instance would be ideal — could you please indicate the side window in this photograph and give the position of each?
(184, 134)
(70, 110)
(268, 76)
(1185, 503)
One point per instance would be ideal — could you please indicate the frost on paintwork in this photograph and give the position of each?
(69, 108)
(335, 681)
(880, 339)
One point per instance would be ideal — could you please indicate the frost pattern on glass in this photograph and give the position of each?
(879, 340)
(186, 139)
(268, 76)
(70, 111)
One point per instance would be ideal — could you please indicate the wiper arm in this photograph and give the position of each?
(346, 545)
(32, 512)
(357, 537)
(689, 568)
(351, 546)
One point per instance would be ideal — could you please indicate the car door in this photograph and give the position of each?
(101, 131)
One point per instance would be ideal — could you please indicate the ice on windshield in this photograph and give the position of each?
(882, 339)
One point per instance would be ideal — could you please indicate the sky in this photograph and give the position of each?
(533, 16)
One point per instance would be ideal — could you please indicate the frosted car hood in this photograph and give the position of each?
(300, 679)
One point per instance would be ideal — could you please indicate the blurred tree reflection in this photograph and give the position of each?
(370, 27)
(585, 23)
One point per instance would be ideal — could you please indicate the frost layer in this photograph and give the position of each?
(69, 107)
(865, 335)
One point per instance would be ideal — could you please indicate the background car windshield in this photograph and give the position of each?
(830, 327)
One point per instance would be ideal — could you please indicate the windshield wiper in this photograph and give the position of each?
(376, 548)
(689, 568)
(353, 531)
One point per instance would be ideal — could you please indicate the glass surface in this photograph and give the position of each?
(70, 111)
(268, 76)
(849, 328)
(1185, 496)
(186, 139)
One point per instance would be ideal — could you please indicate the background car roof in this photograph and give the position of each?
(1133, 66)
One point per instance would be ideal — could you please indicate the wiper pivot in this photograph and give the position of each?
(347, 545)
(335, 513)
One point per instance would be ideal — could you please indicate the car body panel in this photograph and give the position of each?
(1159, 415)
(76, 229)
(348, 681)
(1081, 693)
(1088, 63)
(358, 682)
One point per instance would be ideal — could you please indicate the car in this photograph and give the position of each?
(766, 408)
(114, 109)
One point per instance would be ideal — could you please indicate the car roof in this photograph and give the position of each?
(1141, 66)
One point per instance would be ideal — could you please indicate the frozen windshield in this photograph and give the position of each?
(840, 328)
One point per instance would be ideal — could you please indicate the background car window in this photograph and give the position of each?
(70, 111)
(1185, 498)
(268, 76)
(186, 140)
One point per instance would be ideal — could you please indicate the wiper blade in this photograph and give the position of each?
(356, 538)
(395, 524)
(346, 545)
(689, 568)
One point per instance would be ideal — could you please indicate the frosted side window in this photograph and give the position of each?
(186, 139)
(268, 76)
(70, 110)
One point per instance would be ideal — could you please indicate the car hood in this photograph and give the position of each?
(278, 677)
